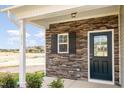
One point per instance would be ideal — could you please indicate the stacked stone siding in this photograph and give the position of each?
(75, 66)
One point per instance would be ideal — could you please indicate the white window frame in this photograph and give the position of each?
(63, 43)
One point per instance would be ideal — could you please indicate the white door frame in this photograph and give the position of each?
(95, 80)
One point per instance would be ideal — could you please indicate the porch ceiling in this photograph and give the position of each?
(43, 15)
(35, 12)
(61, 10)
(83, 12)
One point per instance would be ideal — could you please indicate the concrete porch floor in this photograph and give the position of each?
(68, 83)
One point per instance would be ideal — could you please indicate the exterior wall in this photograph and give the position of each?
(75, 66)
(122, 43)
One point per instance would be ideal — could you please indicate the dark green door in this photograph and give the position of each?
(101, 56)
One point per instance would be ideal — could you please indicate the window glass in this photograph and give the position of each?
(63, 43)
(100, 45)
(62, 38)
(63, 47)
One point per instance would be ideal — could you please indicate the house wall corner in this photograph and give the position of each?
(122, 43)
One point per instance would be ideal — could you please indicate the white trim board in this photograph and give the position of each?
(119, 29)
(95, 80)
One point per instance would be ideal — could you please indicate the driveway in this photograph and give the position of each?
(9, 62)
(15, 69)
(12, 59)
(78, 84)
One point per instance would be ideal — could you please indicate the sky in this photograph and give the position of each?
(9, 34)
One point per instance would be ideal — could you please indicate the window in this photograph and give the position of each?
(100, 46)
(63, 43)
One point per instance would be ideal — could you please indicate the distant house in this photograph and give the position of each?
(82, 42)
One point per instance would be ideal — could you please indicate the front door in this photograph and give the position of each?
(101, 55)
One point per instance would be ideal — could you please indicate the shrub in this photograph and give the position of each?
(34, 80)
(59, 83)
(0, 81)
(8, 81)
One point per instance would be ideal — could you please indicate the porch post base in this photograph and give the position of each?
(22, 84)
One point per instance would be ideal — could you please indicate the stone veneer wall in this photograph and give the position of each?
(75, 66)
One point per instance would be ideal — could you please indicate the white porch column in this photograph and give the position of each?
(22, 65)
(122, 43)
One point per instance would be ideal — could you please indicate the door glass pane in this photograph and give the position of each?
(100, 45)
